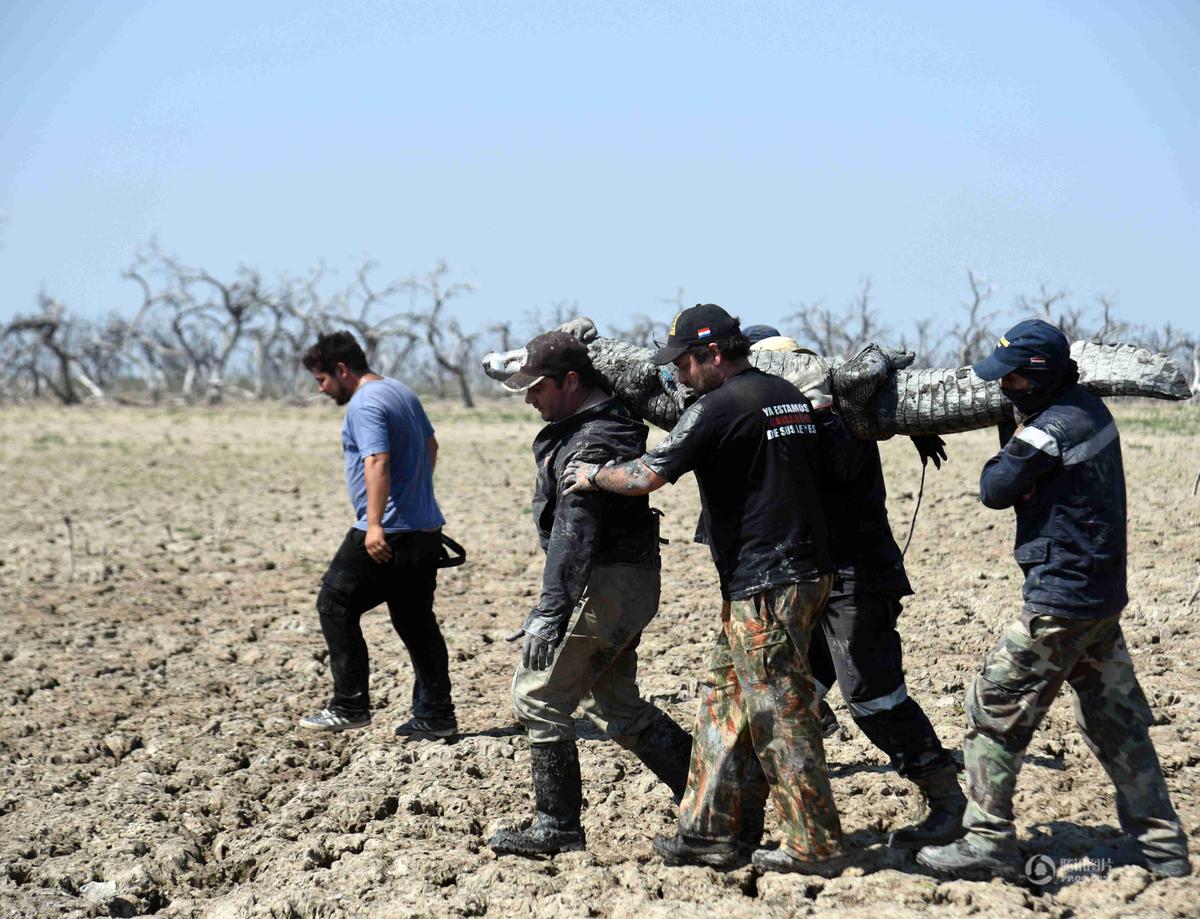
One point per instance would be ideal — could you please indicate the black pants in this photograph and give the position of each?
(858, 645)
(356, 583)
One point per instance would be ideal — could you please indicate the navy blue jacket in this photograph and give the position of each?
(1063, 475)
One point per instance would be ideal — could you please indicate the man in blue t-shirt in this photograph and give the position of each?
(391, 553)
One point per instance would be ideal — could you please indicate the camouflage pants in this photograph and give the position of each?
(595, 667)
(1022, 675)
(757, 731)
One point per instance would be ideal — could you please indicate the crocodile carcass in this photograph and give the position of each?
(899, 399)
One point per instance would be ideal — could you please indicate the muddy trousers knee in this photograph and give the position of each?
(595, 669)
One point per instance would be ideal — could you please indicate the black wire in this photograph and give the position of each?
(920, 494)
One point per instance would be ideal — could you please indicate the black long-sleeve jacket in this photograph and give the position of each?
(586, 528)
(854, 494)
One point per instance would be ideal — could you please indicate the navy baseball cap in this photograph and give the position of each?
(696, 325)
(1030, 345)
(757, 333)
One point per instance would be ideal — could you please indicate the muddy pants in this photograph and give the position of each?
(1020, 678)
(757, 720)
(858, 645)
(595, 667)
(355, 583)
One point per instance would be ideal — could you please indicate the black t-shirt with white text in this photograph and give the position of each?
(753, 444)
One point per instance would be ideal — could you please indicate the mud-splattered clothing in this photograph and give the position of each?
(596, 665)
(1008, 700)
(756, 731)
(600, 585)
(1064, 476)
(586, 528)
(753, 444)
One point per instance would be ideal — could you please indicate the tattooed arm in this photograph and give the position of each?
(630, 479)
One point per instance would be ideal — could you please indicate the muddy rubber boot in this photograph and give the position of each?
(666, 750)
(944, 803)
(558, 795)
(829, 721)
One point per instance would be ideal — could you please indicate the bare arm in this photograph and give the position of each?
(630, 479)
(431, 445)
(377, 474)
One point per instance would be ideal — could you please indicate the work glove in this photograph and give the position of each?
(543, 634)
(930, 447)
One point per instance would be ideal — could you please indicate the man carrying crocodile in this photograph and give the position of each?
(1060, 469)
(752, 442)
(856, 640)
(600, 587)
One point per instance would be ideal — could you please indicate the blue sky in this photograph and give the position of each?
(755, 154)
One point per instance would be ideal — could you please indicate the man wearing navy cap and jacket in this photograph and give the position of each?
(1060, 469)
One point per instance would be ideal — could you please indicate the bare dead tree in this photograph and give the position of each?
(52, 354)
(452, 348)
(972, 335)
(679, 301)
(356, 307)
(1196, 369)
(539, 319)
(1052, 305)
(926, 342)
(504, 331)
(1111, 328)
(839, 335)
(644, 331)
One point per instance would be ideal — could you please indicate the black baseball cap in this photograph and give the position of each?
(696, 325)
(551, 354)
(1033, 344)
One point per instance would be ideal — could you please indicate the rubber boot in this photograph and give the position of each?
(829, 721)
(944, 803)
(558, 796)
(666, 750)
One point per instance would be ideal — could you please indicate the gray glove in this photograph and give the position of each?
(537, 653)
(543, 634)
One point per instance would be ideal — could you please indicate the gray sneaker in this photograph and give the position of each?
(328, 720)
(428, 727)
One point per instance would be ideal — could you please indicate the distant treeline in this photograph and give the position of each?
(192, 336)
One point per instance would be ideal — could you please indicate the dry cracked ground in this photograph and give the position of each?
(160, 652)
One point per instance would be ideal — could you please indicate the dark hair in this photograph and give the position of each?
(588, 376)
(333, 349)
(730, 348)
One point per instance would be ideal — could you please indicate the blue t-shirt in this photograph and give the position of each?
(385, 416)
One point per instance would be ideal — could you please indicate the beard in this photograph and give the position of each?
(708, 378)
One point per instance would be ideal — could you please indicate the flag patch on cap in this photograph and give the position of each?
(1037, 360)
(704, 332)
